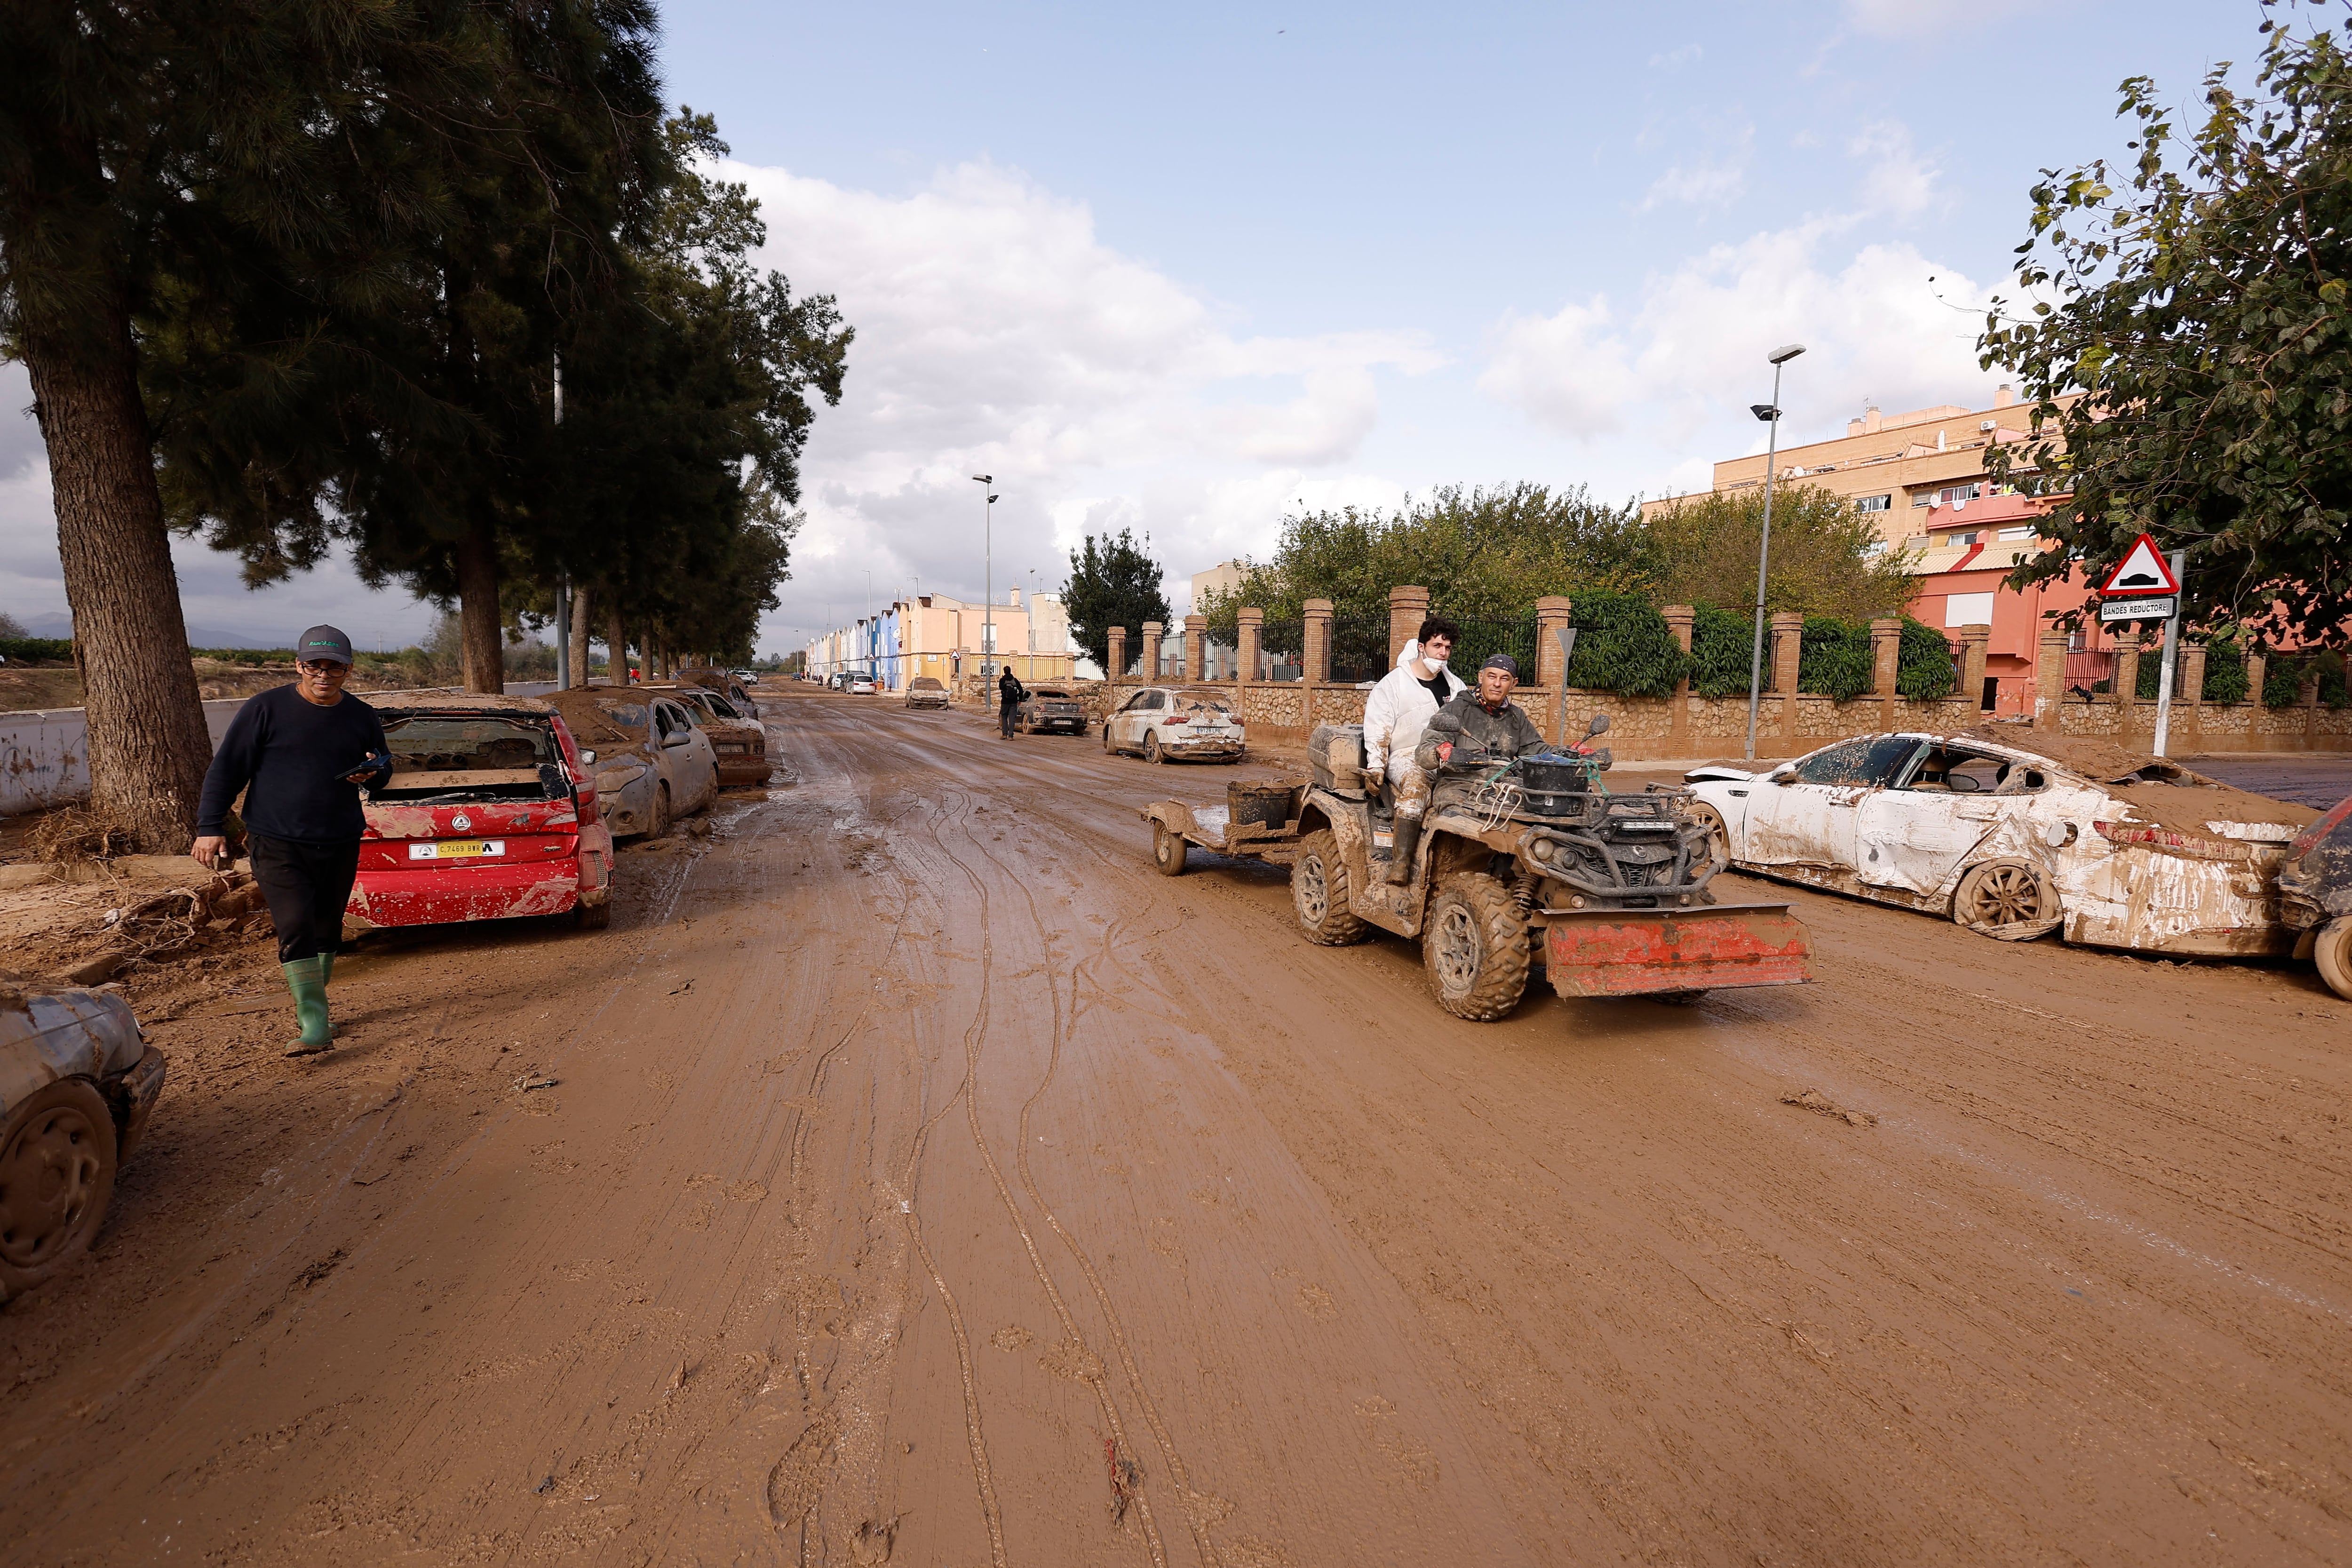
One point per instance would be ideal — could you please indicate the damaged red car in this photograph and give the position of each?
(489, 813)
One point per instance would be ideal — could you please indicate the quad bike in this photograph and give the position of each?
(1519, 862)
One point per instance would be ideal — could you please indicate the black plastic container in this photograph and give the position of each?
(1273, 804)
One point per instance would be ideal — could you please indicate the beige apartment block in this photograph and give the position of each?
(1896, 468)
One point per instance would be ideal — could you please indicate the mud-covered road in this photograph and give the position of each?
(926, 1180)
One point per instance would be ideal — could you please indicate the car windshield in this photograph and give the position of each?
(1202, 700)
(431, 744)
(1869, 762)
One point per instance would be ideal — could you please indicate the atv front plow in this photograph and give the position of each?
(1639, 953)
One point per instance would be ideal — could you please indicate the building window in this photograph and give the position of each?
(1959, 540)
(2017, 533)
(1967, 610)
(1873, 504)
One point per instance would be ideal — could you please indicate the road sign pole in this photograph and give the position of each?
(2171, 658)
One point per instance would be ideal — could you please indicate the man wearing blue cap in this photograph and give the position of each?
(300, 753)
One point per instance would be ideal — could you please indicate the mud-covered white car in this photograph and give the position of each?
(653, 765)
(2107, 848)
(1162, 722)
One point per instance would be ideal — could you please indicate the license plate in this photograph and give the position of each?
(457, 849)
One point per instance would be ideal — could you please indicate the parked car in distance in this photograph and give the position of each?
(723, 682)
(1160, 723)
(652, 764)
(77, 1081)
(925, 691)
(491, 813)
(1050, 709)
(741, 744)
(2016, 838)
(861, 685)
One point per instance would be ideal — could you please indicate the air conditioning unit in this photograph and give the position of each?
(1985, 425)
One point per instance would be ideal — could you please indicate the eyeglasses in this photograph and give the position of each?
(322, 667)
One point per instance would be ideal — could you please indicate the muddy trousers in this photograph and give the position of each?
(306, 887)
(1411, 805)
(1004, 717)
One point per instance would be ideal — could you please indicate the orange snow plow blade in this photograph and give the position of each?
(1636, 952)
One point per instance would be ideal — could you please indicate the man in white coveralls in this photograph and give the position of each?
(1400, 707)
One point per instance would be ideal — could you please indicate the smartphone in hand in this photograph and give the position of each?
(373, 763)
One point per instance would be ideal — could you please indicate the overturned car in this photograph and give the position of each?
(2015, 838)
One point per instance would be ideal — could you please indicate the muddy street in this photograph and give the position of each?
(910, 1175)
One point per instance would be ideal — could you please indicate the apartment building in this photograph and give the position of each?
(1923, 477)
(933, 635)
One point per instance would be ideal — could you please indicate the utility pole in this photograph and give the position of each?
(2172, 654)
(987, 578)
(1770, 414)
(562, 579)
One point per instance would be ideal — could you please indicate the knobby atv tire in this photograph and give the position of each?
(1168, 850)
(1476, 948)
(1319, 892)
(57, 1158)
(2331, 950)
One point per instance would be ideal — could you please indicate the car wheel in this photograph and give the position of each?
(1719, 837)
(660, 825)
(1319, 892)
(1476, 948)
(2331, 950)
(1151, 747)
(2007, 900)
(1108, 750)
(1168, 850)
(57, 1177)
(592, 916)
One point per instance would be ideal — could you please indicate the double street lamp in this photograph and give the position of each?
(1770, 414)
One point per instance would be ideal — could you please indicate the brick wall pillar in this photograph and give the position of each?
(1679, 618)
(2257, 669)
(1248, 627)
(2048, 678)
(1317, 656)
(2187, 702)
(1149, 667)
(1196, 650)
(1788, 642)
(2123, 686)
(1408, 608)
(1885, 651)
(1552, 613)
(1973, 639)
(1118, 671)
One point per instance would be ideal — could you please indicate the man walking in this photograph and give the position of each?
(1009, 693)
(300, 753)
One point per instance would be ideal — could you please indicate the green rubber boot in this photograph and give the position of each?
(327, 967)
(307, 978)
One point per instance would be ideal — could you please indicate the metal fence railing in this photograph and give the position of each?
(1482, 640)
(1219, 662)
(2091, 670)
(1360, 648)
(1282, 651)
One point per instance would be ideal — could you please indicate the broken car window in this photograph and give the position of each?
(1865, 763)
(426, 745)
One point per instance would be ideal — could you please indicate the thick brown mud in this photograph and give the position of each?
(925, 1180)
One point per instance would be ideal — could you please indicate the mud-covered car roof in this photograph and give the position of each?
(590, 710)
(1048, 691)
(431, 700)
(925, 683)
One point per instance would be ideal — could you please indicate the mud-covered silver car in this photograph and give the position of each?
(2107, 847)
(77, 1083)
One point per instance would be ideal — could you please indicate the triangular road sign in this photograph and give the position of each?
(2141, 572)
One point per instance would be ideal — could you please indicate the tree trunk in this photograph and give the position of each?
(578, 633)
(617, 642)
(477, 609)
(147, 747)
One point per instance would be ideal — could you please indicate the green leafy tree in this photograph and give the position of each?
(196, 205)
(1623, 644)
(1827, 559)
(1924, 670)
(2189, 362)
(1113, 583)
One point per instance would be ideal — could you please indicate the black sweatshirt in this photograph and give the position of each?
(293, 755)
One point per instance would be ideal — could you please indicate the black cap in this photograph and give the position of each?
(324, 642)
(1504, 663)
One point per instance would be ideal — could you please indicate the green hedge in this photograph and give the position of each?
(1623, 644)
(24, 650)
(1924, 670)
(1834, 659)
(2283, 679)
(1722, 644)
(2225, 674)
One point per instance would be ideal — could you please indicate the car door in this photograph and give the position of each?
(1912, 836)
(1129, 722)
(688, 761)
(1810, 820)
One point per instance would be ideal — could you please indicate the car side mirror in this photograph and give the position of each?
(587, 759)
(676, 738)
(1782, 775)
(1600, 725)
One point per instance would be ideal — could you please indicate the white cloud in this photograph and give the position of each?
(1690, 355)
(998, 334)
(1705, 181)
(1896, 181)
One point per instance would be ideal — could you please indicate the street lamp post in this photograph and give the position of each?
(1770, 414)
(987, 578)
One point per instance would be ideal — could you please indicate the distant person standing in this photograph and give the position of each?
(301, 753)
(1009, 693)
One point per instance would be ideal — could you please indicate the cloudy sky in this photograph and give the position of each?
(1185, 271)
